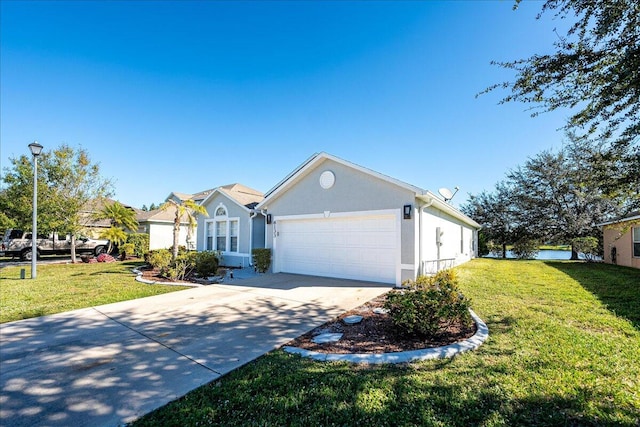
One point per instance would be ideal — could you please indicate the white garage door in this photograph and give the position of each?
(354, 247)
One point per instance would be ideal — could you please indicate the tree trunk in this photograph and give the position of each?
(176, 235)
(73, 248)
(504, 250)
(574, 254)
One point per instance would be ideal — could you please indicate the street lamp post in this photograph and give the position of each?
(36, 149)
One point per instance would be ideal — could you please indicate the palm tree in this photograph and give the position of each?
(184, 208)
(121, 218)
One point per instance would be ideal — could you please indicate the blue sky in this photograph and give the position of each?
(185, 96)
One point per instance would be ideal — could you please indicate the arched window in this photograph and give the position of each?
(222, 232)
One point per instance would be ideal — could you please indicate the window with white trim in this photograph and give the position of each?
(233, 235)
(210, 235)
(636, 241)
(222, 232)
(221, 235)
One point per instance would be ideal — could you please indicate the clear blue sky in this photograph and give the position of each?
(185, 96)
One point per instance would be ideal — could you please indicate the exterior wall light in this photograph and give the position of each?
(407, 211)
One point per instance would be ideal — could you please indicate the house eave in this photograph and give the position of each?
(431, 199)
(619, 221)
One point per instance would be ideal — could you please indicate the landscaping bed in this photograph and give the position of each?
(376, 333)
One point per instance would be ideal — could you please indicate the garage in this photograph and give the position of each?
(350, 246)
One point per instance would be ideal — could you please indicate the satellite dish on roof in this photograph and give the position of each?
(447, 194)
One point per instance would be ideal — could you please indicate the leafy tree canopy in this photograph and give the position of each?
(595, 70)
(67, 180)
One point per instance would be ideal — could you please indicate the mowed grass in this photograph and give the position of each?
(64, 287)
(564, 350)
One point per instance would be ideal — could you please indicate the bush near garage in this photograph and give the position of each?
(428, 305)
(261, 259)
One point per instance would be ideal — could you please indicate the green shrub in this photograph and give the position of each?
(261, 259)
(141, 243)
(182, 267)
(589, 246)
(160, 259)
(525, 249)
(207, 263)
(430, 304)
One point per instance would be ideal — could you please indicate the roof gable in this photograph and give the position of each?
(317, 159)
(245, 197)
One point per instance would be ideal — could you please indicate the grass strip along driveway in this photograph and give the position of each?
(564, 349)
(65, 287)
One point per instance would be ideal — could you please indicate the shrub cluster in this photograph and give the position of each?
(261, 259)
(429, 304)
(589, 246)
(140, 242)
(526, 249)
(203, 264)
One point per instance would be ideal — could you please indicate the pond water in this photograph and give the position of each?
(544, 254)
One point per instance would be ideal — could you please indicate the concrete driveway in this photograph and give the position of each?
(108, 365)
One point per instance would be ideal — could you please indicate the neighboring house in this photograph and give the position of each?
(197, 197)
(93, 227)
(621, 239)
(158, 224)
(233, 226)
(333, 218)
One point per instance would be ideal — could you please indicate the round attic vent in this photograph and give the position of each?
(327, 179)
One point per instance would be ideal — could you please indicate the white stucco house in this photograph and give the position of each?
(330, 217)
(233, 227)
(158, 224)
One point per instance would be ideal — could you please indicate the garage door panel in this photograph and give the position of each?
(354, 247)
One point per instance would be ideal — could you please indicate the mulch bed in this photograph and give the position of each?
(376, 334)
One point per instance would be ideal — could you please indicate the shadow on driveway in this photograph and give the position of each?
(111, 364)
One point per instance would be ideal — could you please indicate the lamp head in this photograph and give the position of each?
(35, 148)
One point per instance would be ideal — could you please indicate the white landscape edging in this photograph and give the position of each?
(139, 278)
(451, 350)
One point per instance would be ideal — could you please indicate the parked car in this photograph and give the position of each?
(17, 243)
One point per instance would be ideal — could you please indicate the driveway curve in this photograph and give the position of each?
(111, 364)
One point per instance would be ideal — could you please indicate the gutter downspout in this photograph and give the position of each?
(252, 215)
(421, 207)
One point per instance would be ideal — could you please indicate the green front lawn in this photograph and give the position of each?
(564, 350)
(64, 287)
